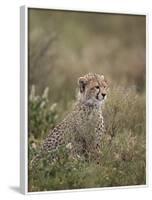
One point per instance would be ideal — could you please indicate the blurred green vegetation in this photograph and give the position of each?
(64, 46)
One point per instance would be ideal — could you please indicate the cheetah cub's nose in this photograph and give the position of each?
(103, 95)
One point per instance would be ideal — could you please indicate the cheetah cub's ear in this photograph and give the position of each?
(82, 83)
(102, 77)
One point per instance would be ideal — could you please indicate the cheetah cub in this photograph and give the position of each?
(81, 130)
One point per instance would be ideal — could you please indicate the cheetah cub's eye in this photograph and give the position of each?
(97, 87)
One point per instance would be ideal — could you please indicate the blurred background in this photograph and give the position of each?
(64, 45)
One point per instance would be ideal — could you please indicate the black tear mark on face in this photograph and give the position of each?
(83, 88)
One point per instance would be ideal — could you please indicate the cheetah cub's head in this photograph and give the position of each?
(93, 89)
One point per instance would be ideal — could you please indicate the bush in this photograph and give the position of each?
(122, 148)
(42, 116)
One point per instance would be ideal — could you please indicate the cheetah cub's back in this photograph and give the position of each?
(81, 131)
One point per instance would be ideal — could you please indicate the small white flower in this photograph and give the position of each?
(42, 104)
(53, 106)
(32, 94)
(69, 146)
(45, 93)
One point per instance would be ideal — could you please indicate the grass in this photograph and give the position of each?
(122, 159)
